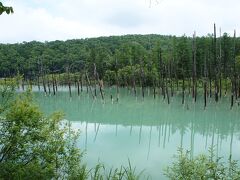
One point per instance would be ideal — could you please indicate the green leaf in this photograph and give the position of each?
(7, 10)
(11, 10)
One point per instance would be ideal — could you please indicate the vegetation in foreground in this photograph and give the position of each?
(202, 167)
(32, 145)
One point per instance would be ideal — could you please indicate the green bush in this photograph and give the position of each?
(34, 146)
(202, 167)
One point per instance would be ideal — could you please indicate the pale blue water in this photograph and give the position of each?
(148, 131)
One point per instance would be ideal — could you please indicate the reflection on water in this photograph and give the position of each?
(148, 131)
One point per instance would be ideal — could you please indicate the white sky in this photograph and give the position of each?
(46, 20)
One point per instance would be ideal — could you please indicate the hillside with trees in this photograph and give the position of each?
(152, 60)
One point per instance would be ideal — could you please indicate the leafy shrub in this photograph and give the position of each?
(202, 167)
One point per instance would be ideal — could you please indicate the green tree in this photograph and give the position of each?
(202, 167)
(183, 54)
(37, 147)
(7, 91)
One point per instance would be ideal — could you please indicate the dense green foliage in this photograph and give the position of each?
(202, 167)
(146, 57)
(7, 90)
(6, 9)
(35, 146)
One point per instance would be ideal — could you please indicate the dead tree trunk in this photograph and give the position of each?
(44, 85)
(205, 93)
(171, 81)
(133, 79)
(38, 75)
(38, 83)
(48, 85)
(154, 88)
(232, 94)
(89, 85)
(216, 65)
(210, 78)
(183, 87)
(161, 74)
(142, 78)
(56, 84)
(117, 80)
(78, 87)
(238, 87)
(69, 81)
(53, 85)
(100, 83)
(205, 83)
(86, 80)
(166, 85)
(183, 90)
(194, 74)
(43, 79)
(95, 79)
(189, 84)
(220, 62)
(234, 67)
(81, 82)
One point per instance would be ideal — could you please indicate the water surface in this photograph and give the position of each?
(147, 131)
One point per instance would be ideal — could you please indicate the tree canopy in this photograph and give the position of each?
(28, 58)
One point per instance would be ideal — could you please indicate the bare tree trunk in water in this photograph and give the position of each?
(81, 82)
(183, 90)
(235, 73)
(95, 80)
(216, 88)
(117, 80)
(210, 80)
(69, 83)
(43, 79)
(86, 80)
(78, 87)
(133, 80)
(38, 83)
(154, 89)
(171, 81)
(220, 61)
(232, 94)
(101, 87)
(56, 84)
(89, 85)
(48, 84)
(166, 85)
(194, 73)
(205, 83)
(53, 85)
(142, 79)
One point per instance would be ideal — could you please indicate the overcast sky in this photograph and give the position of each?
(46, 20)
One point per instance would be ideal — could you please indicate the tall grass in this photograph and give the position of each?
(100, 172)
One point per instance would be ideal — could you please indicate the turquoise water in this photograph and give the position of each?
(146, 131)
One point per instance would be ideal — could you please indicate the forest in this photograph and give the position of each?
(164, 63)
